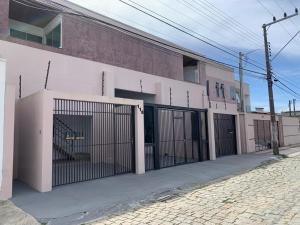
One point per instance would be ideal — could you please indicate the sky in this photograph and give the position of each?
(234, 25)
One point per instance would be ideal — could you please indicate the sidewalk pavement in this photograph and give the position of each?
(82, 202)
(12, 215)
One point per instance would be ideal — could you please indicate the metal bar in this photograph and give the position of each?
(47, 75)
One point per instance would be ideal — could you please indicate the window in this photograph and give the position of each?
(207, 87)
(233, 93)
(26, 36)
(53, 38)
(217, 89)
(190, 70)
(223, 90)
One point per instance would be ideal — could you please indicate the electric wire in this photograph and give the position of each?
(278, 53)
(230, 20)
(94, 19)
(201, 12)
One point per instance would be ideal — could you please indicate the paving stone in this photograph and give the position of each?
(267, 195)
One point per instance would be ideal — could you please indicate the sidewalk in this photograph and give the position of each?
(81, 202)
(12, 215)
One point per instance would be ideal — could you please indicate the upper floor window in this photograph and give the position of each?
(222, 90)
(32, 24)
(233, 93)
(190, 70)
(53, 38)
(218, 89)
(207, 87)
(26, 36)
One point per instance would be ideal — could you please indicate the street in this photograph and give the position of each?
(266, 195)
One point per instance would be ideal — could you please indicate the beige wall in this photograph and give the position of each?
(7, 167)
(70, 74)
(248, 137)
(36, 125)
(7, 107)
(2, 112)
(291, 130)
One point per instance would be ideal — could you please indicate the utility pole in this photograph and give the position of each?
(242, 104)
(290, 107)
(294, 104)
(270, 81)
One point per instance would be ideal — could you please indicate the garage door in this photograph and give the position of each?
(225, 135)
(174, 136)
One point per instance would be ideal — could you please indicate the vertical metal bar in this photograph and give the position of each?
(184, 136)
(156, 138)
(132, 135)
(174, 144)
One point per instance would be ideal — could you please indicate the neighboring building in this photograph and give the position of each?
(292, 113)
(117, 100)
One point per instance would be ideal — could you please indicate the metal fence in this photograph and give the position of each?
(91, 140)
(262, 135)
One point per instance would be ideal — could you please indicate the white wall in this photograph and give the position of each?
(2, 101)
(291, 130)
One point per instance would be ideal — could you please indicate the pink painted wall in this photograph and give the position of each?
(7, 169)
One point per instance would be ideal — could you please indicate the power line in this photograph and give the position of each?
(185, 32)
(285, 45)
(288, 92)
(229, 19)
(200, 12)
(125, 30)
(181, 26)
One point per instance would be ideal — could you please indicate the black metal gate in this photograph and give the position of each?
(174, 136)
(262, 135)
(225, 135)
(91, 140)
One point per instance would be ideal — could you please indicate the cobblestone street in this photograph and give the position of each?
(269, 194)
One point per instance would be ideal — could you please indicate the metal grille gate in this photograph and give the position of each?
(91, 140)
(262, 134)
(176, 141)
(174, 136)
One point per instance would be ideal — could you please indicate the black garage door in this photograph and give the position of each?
(225, 135)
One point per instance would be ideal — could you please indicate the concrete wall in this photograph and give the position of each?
(7, 118)
(248, 135)
(70, 74)
(2, 110)
(291, 130)
(36, 125)
(7, 165)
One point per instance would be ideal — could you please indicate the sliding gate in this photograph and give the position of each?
(174, 136)
(91, 140)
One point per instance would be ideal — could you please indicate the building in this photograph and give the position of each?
(88, 97)
(292, 113)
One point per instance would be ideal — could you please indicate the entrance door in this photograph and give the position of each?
(225, 135)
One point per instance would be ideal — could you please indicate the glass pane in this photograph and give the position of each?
(34, 38)
(56, 36)
(17, 34)
(49, 39)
